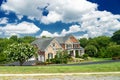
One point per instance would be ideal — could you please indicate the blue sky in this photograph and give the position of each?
(82, 18)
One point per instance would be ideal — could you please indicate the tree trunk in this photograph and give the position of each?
(21, 63)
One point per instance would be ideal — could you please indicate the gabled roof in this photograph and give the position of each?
(63, 39)
(42, 43)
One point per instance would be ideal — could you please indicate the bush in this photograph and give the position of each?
(114, 51)
(2, 57)
(116, 58)
(91, 50)
(77, 54)
(60, 57)
(85, 56)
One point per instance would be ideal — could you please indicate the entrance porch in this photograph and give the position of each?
(76, 52)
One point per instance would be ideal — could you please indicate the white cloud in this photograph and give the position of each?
(21, 28)
(24, 7)
(48, 34)
(59, 10)
(71, 11)
(52, 17)
(3, 20)
(72, 29)
(82, 36)
(20, 16)
(31, 18)
(0, 33)
(92, 21)
(100, 23)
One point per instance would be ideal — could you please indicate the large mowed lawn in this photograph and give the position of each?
(109, 67)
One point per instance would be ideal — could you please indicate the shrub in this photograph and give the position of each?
(85, 56)
(114, 51)
(91, 50)
(116, 58)
(60, 57)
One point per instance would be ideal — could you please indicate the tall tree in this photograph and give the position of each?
(20, 52)
(28, 39)
(14, 38)
(91, 50)
(83, 42)
(116, 37)
(114, 51)
(103, 41)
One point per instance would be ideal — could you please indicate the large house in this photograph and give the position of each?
(48, 47)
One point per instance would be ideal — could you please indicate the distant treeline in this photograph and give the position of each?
(102, 46)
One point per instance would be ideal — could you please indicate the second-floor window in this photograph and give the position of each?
(68, 46)
(75, 45)
(53, 44)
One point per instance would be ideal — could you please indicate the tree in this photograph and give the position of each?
(83, 42)
(103, 41)
(14, 38)
(44, 36)
(3, 45)
(20, 52)
(28, 39)
(91, 50)
(116, 37)
(93, 42)
(114, 51)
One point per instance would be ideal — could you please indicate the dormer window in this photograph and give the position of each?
(53, 44)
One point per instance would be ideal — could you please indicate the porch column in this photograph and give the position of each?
(68, 52)
(74, 53)
(79, 53)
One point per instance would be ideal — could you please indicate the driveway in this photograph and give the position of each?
(88, 63)
(30, 63)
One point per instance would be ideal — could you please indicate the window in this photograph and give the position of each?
(68, 46)
(50, 56)
(76, 45)
(53, 44)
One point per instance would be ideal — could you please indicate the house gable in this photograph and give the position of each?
(55, 45)
(72, 39)
(72, 42)
(52, 48)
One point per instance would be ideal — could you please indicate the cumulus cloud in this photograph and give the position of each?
(83, 12)
(52, 17)
(71, 11)
(20, 16)
(59, 10)
(100, 23)
(48, 34)
(3, 20)
(72, 29)
(21, 28)
(24, 7)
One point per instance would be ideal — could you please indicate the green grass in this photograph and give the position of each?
(61, 69)
(99, 59)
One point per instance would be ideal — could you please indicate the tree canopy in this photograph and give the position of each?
(100, 46)
(20, 52)
(116, 37)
